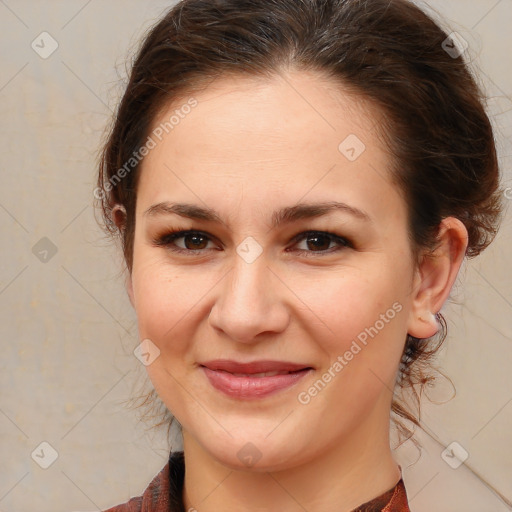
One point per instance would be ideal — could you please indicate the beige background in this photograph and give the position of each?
(68, 330)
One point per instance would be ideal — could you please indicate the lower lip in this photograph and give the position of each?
(252, 387)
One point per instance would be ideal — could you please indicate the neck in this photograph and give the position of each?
(344, 475)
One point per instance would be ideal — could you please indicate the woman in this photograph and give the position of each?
(295, 185)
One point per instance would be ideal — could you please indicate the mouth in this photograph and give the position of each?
(253, 380)
(255, 367)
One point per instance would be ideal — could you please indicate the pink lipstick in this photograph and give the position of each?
(257, 379)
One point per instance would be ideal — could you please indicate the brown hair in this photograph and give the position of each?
(388, 51)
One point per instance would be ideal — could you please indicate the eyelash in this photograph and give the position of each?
(166, 240)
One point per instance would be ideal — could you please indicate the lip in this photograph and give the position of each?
(220, 376)
(231, 366)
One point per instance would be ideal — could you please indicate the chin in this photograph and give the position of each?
(255, 453)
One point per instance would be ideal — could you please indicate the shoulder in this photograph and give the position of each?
(163, 492)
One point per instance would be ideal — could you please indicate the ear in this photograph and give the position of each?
(435, 276)
(119, 219)
(119, 216)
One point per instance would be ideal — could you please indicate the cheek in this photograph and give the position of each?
(362, 332)
(334, 306)
(171, 302)
(162, 296)
(345, 303)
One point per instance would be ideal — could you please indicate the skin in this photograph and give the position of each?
(250, 147)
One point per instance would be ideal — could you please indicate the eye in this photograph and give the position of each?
(194, 242)
(321, 241)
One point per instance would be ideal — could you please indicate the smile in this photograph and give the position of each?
(253, 385)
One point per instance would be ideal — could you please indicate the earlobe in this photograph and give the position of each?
(435, 277)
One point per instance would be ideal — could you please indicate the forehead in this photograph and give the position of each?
(299, 104)
(276, 140)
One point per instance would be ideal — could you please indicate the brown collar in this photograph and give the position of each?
(395, 500)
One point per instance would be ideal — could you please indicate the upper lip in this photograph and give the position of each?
(254, 366)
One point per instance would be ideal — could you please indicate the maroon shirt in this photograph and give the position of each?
(164, 493)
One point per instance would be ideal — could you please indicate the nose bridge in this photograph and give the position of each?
(247, 280)
(249, 302)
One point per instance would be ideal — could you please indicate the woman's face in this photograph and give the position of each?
(254, 285)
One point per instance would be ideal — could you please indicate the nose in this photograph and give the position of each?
(251, 302)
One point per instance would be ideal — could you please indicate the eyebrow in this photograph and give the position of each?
(285, 215)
